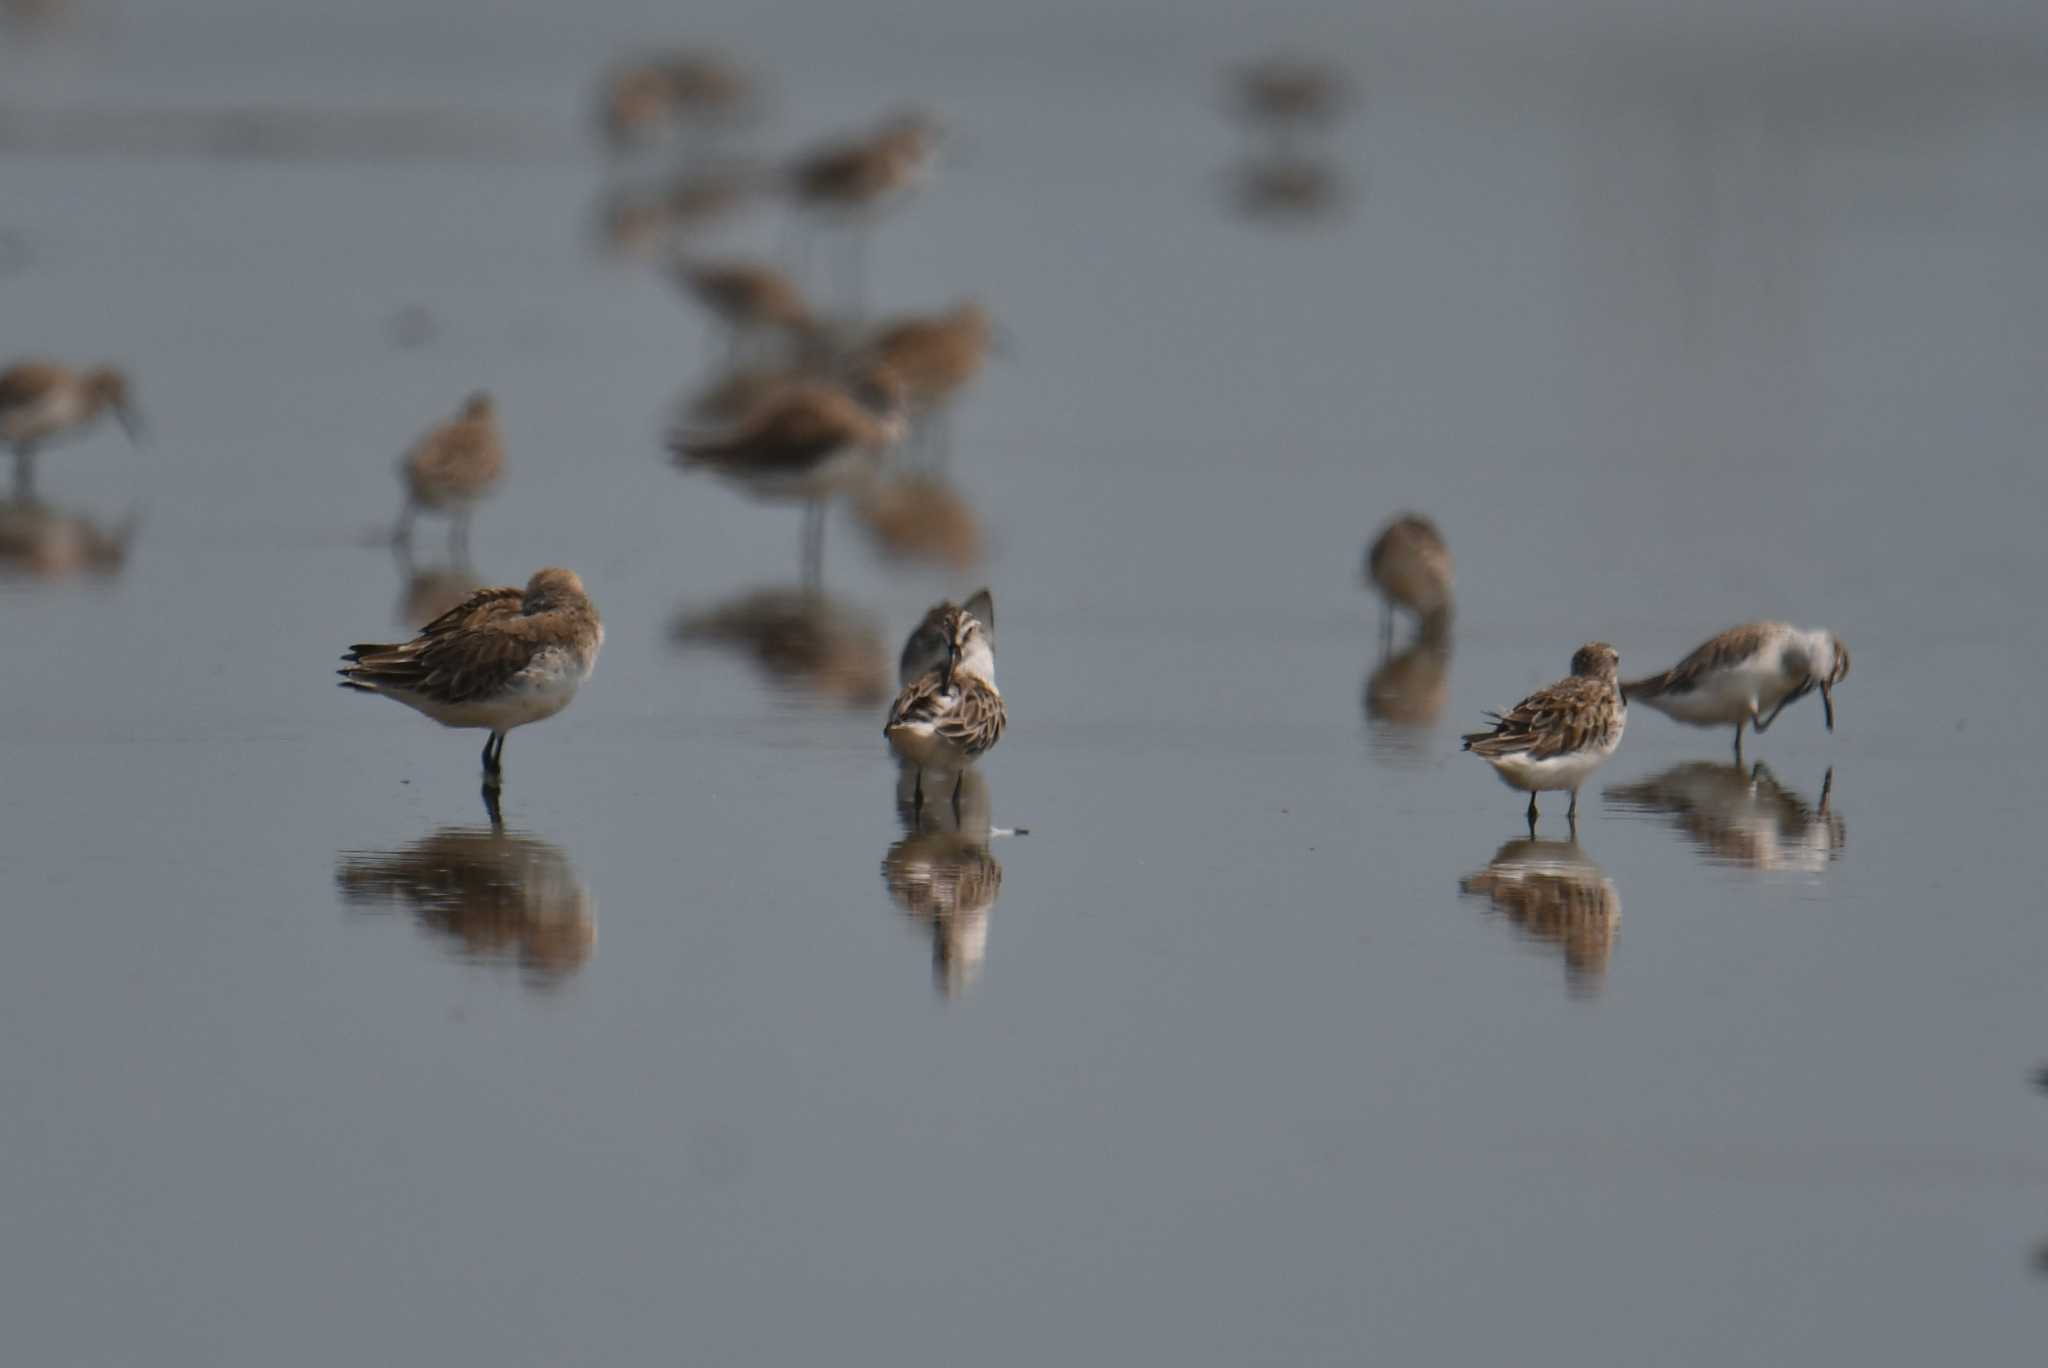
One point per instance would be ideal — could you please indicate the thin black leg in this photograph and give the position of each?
(491, 809)
(1532, 814)
(1738, 739)
(1571, 813)
(917, 796)
(494, 755)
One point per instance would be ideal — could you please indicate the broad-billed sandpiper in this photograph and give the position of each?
(504, 658)
(42, 401)
(947, 717)
(1557, 736)
(1746, 671)
(1411, 567)
(452, 467)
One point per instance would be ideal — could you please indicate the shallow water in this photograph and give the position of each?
(1275, 1039)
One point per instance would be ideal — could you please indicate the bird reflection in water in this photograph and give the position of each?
(1410, 567)
(426, 590)
(42, 542)
(920, 519)
(1555, 895)
(1404, 696)
(805, 641)
(497, 896)
(1287, 190)
(1741, 816)
(943, 877)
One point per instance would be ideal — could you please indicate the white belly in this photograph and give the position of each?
(917, 744)
(1726, 696)
(1555, 772)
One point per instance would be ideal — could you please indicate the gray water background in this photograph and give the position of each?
(1670, 321)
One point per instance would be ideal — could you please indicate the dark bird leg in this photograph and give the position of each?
(1763, 722)
(1571, 814)
(491, 809)
(958, 780)
(25, 472)
(494, 756)
(1738, 739)
(1827, 789)
(1532, 815)
(917, 796)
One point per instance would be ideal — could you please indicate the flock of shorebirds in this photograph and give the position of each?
(1554, 739)
(809, 410)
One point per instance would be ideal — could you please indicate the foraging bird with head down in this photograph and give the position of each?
(43, 401)
(1746, 672)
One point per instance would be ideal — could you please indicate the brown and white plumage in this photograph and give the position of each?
(951, 714)
(452, 467)
(744, 295)
(1558, 735)
(1411, 567)
(500, 659)
(863, 173)
(804, 440)
(1747, 675)
(935, 355)
(647, 99)
(43, 401)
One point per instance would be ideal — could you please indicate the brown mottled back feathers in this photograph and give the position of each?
(1734, 645)
(967, 713)
(935, 355)
(791, 431)
(1568, 716)
(462, 458)
(472, 651)
(27, 382)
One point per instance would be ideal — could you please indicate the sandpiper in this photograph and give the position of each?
(1411, 567)
(647, 99)
(1286, 92)
(1557, 736)
(43, 401)
(452, 467)
(749, 298)
(1745, 672)
(808, 441)
(937, 356)
(930, 642)
(502, 659)
(860, 175)
(948, 717)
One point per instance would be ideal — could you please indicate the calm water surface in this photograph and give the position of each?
(1276, 1039)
